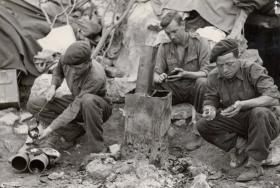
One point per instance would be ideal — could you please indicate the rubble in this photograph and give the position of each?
(150, 183)
(6, 111)
(56, 175)
(98, 170)
(181, 111)
(179, 165)
(238, 184)
(171, 132)
(124, 181)
(42, 83)
(125, 168)
(132, 173)
(200, 182)
(21, 129)
(115, 151)
(273, 158)
(9, 119)
(10, 185)
(196, 170)
(24, 116)
(5, 130)
(215, 176)
(145, 170)
(180, 123)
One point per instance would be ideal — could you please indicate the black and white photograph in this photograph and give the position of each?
(139, 93)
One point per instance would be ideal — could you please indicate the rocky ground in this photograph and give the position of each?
(204, 167)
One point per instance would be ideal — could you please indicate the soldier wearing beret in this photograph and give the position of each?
(238, 109)
(87, 105)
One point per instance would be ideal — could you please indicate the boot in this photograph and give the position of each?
(194, 144)
(238, 154)
(196, 140)
(253, 171)
(237, 159)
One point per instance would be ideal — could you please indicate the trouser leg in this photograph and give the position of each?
(53, 109)
(258, 125)
(198, 93)
(50, 110)
(222, 131)
(263, 127)
(182, 90)
(95, 110)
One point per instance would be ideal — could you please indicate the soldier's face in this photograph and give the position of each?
(175, 32)
(228, 65)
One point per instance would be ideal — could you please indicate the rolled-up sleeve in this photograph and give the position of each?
(57, 76)
(160, 66)
(204, 56)
(263, 83)
(211, 96)
(250, 5)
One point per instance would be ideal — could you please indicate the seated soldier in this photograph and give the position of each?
(87, 104)
(181, 65)
(245, 94)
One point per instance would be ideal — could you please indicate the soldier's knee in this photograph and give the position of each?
(89, 100)
(201, 82)
(260, 112)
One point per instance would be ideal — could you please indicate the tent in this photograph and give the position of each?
(21, 24)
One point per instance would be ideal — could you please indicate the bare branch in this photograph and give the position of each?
(110, 28)
(104, 14)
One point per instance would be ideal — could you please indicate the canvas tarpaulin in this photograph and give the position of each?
(219, 13)
(21, 24)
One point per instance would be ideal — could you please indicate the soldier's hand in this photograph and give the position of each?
(50, 93)
(160, 78)
(46, 132)
(209, 112)
(176, 73)
(233, 109)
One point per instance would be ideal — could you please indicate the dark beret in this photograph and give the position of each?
(77, 53)
(223, 47)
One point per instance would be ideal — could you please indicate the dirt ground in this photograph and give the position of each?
(207, 159)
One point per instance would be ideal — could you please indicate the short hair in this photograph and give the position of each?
(224, 47)
(167, 19)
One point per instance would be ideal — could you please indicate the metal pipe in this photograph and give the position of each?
(20, 161)
(38, 163)
(146, 71)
